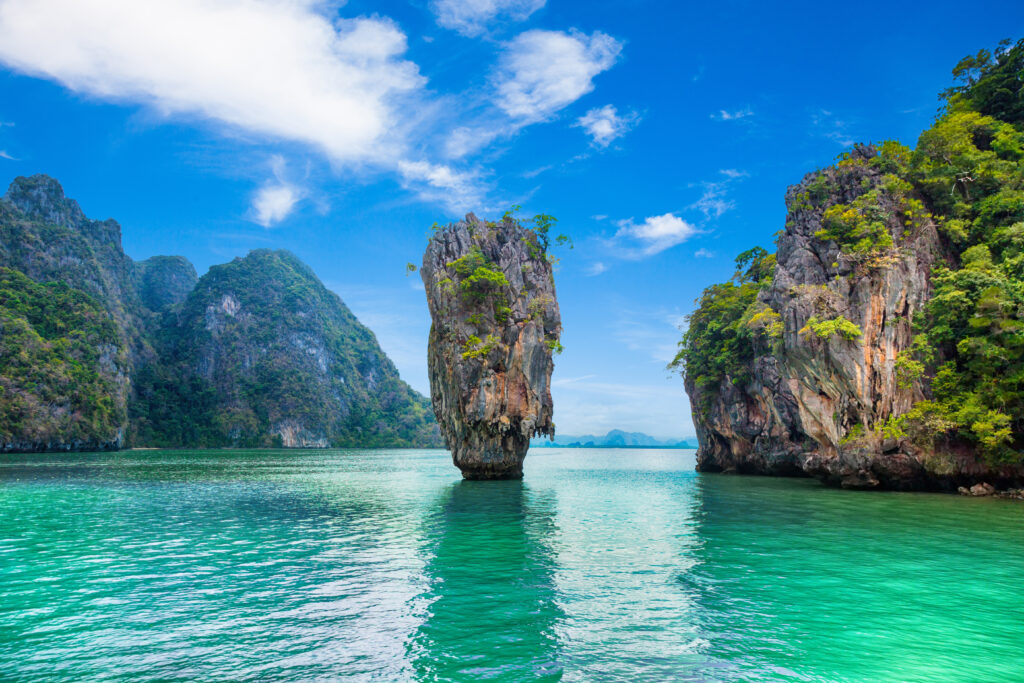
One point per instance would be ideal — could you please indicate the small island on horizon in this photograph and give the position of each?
(615, 438)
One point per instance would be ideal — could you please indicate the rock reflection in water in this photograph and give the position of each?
(492, 608)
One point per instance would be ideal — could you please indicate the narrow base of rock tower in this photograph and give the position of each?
(500, 458)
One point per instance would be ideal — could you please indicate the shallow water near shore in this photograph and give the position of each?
(600, 565)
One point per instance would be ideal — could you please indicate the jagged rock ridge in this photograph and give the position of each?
(496, 324)
(98, 352)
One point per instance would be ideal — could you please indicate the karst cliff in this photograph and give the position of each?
(882, 345)
(100, 352)
(496, 325)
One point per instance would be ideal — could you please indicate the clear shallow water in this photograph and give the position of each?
(601, 565)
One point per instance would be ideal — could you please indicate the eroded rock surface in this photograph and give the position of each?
(814, 406)
(495, 327)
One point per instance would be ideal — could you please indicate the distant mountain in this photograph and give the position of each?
(616, 438)
(99, 352)
(260, 353)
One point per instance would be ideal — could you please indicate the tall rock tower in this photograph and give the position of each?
(496, 326)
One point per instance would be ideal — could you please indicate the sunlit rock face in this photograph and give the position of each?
(496, 325)
(812, 405)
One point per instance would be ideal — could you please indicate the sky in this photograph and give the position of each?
(661, 134)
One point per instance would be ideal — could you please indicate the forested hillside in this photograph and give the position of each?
(100, 352)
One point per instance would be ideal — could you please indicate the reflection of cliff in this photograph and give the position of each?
(492, 609)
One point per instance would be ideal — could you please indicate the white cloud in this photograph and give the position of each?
(596, 268)
(273, 203)
(704, 253)
(712, 202)
(832, 127)
(274, 67)
(541, 72)
(470, 17)
(457, 190)
(604, 124)
(724, 115)
(655, 234)
(465, 140)
(5, 155)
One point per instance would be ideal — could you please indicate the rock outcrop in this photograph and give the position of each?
(813, 401)
(260, 353)
(99, 352)
(496, 324)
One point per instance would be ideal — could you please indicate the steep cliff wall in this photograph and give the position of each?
(260, 353)
(72, 323)
(496, 323)
(99, 352)
(811, 385)
(819, 382)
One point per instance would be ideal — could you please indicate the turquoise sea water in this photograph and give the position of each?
(601, 566)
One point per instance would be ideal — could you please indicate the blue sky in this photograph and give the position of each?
(662, 135)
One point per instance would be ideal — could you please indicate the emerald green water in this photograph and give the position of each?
(600, 566)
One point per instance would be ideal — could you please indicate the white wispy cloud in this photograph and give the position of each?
(294, 71)
(714, 200)
(704, 253)
(541, 72)
(277, 67)
(604, 124)
(654, 333)
(471, 17)
(456, 190)
(654, 235)
(830, 126)
(273, 202)
(723, 115)
(5, 155)
(596, 268)
(466, 140)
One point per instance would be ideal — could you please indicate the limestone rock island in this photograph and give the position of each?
(496, 326)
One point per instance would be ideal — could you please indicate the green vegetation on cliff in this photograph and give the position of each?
(59, 357)
(99, 351)
(967, 175)
(720, 339)
(262, 354)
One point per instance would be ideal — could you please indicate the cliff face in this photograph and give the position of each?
(260, 353)
(828, 331)
(72, 325)
(98, 352)
(491, 293)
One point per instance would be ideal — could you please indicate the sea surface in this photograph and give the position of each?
(602, 565)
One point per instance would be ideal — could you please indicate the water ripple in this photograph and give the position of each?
(600, 566)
